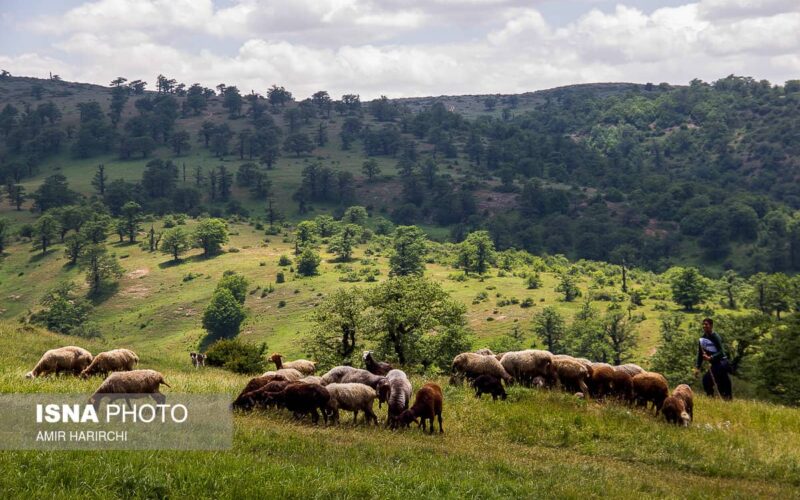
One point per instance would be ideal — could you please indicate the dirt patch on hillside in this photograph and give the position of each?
(137, 291)
(139, 273)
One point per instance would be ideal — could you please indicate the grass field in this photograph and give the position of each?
(537, 444)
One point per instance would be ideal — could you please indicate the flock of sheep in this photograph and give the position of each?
(293, 385)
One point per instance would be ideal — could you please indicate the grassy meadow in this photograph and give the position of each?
(535, 444)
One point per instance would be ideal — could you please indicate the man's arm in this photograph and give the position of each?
(699, 362)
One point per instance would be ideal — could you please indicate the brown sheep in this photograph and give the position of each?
(622, 385)
(631, 369)
(302, 399)
(257, 397)
(650, 387)
(304, 366)
(258, 382)
(427, 405)
(117, 360)
(679, 407)
(123, 385)
(572, 374)
(470, 365)
(601, 380)
(69, 359)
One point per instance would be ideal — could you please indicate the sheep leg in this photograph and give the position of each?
(441, 430)
(355, 417)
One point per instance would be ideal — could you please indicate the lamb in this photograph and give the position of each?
(117, 360)
(487, 384)
(622, 385)
(631, 369)
(304, 366)
(302, 399)
(396, 391)
(69, 359)
(248, 400)
(198, 359)
(650, 387)
(374, 366)
(601, 380)
(470, 365)
(122, 385)
(352, 397)
(678, 408)
(572, 375)
(525, 365)
(336, 374)
(427, 405)
(290, 374)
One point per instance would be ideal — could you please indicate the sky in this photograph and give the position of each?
(401, 48)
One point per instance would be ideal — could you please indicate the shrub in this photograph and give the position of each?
(284, 261)
(281, 304)
(527, 303)
(280, 277)
(237, 356)
(308, 262)
(534, 281)
(224, 315)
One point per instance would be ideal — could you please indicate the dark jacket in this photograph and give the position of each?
(715, 358)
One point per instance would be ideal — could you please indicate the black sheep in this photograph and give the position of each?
(488, 384)
(375, 367)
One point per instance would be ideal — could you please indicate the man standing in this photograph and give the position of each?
(711, 350)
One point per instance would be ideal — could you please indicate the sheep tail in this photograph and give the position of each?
(164, 382)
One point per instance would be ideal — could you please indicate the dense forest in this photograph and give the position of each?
(650, 175)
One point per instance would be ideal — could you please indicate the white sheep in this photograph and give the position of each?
(289, 374)
(352, 397)
(336, 374)
(526, 365)
(396, 391)
(122, 385)
(116, 360)
(304, 366)
(471, 365)
(69, 359)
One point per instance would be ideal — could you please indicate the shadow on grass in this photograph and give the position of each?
(124, 244)
(39, 256)
(106, 291)
(172, 263)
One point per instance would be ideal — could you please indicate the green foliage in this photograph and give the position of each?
(284, 260)
(409, 249)
(355, 215)
(308, 262)
(514, 340)
(585, 336)
(237, 356)
(548, 325)
(533, 281)
(280, 277)
(405, 310)
(689, 287)
(336, 337)
(235, 283)
(343, 243)
(476, 253)
(4, 234)
(45, 230)
(210, 235)
(101, 267)
(175, 242)
(779, 366)
(224, 315)
(568, 285)
(63, 310)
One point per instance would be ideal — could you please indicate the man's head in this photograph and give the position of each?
(708, 326)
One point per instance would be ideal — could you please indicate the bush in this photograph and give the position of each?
(284, 261)
(281, 304)
(237, 356)
(224, 315)
(308, 262)
(64, 311)
(280, 277)
(234, 282)
(527, 303)
(534, 281)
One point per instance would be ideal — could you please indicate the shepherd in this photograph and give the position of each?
(710, 349)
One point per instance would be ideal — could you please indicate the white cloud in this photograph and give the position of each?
(382, 47)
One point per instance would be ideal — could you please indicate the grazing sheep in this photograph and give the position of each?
(374, 366)
(485, 352)
(260, 396)
(198, 359)
(353, 397)
(601, 380)
(631, 369)
(303, 366)
(470, 365)
(622, 385)
(122, 385)
(572, 374)
(312, 379)
(396, 391)
(336, 374)
(679, 407)
(427, 405)
(117, 360)
(359, 376)
(302, 399)
(487, 384)
(69, 359)
(255, 384)
(525, 365)
(650, 387)
(291, 374)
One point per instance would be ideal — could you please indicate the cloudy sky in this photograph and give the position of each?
(401, 47)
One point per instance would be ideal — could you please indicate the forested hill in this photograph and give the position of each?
(653, 174)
